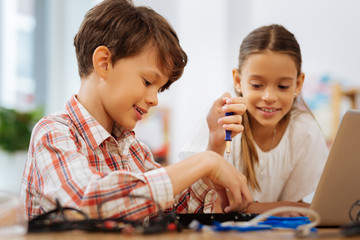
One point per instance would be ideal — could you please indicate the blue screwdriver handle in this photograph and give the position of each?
(227, 132)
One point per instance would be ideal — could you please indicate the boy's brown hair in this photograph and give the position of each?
(125, 30)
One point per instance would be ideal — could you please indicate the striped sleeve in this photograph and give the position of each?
(60, 170)
(199, 198)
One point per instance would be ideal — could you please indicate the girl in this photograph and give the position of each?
(282, 150)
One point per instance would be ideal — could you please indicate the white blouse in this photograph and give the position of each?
(288, 172)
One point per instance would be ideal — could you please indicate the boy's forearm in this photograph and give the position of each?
(183, 174)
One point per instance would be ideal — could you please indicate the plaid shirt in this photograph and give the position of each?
(72, 158)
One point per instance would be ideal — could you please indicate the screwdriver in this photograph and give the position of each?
(228, 139)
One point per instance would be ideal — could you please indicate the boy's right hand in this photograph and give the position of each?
(230, 185)
(218, 123)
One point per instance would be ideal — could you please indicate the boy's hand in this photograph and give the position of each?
(218, 123)
(231, 186)
(229, 183)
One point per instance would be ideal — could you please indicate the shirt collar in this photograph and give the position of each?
(91, 130)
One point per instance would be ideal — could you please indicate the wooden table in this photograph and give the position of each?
(184, 235)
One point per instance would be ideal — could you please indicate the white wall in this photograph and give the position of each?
(65, 17)
(210, 32)
(203, 36)
(207, 37)
(328, 32)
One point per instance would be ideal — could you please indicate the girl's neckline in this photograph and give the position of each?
(274, 145)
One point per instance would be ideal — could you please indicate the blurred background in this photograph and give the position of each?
(38, 69)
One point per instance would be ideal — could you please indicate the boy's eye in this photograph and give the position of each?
(146, 82)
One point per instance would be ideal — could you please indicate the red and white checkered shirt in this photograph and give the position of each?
(72, 158)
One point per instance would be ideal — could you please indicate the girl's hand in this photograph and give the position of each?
(218, 123)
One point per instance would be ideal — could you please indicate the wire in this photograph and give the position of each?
(352, 209)
(302, 230)
(57, 220)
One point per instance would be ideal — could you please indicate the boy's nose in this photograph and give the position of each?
(152, 99)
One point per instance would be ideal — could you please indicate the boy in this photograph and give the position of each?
(87, 157)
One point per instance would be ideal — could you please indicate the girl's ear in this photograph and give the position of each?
(101, 61)
(236, 79)
(299, 84)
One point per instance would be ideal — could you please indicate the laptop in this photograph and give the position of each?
(337, 197)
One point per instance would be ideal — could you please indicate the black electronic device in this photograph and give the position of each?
(208, 218)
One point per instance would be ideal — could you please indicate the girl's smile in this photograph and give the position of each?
(268, 112)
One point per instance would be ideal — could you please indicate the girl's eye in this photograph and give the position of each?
(255, 85)
(283, 87)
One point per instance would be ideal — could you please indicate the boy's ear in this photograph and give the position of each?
(299, 84)
(101, 61)
(237, 80)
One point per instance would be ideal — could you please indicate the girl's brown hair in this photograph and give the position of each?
(275, 38)
(126, 29)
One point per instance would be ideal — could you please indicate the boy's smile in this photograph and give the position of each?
(140, 112)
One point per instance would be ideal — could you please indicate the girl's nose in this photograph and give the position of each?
(269, 96)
